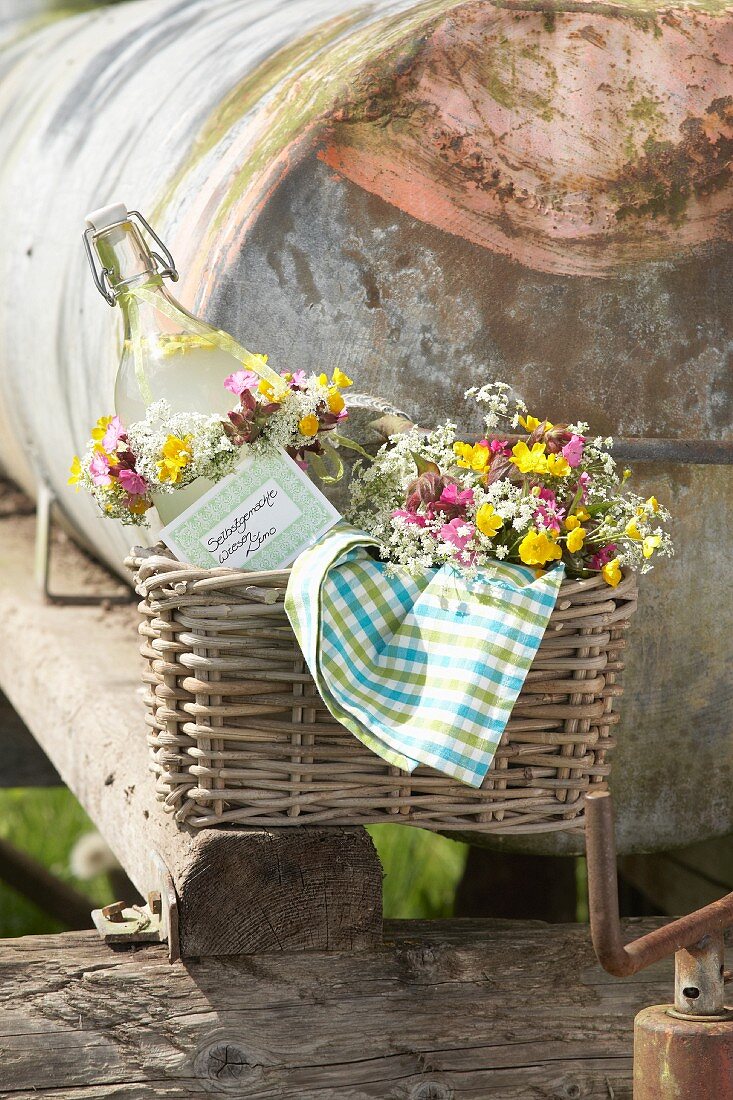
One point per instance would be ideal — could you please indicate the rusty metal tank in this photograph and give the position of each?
(428, 195)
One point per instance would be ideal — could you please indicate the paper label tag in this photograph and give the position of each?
(259, 517)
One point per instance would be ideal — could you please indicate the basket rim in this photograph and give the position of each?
(158, 561)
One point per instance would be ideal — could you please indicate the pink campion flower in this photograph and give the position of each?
(133, 483)
(99, 469)
(603, 556)
(583, 482)
(457, 532)
(572, 452)
(241, 380)
(115, 432)
(548, 510)
(500, 446)
(451, 495)
(409, 517)
(297, 379)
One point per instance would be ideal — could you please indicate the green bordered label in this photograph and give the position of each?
(259, 517)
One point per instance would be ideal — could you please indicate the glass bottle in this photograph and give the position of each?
(166, 352)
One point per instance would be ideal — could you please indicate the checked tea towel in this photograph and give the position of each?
(423, 670)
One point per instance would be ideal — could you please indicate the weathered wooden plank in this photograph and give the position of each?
(486, 1010)
(73, 675)
(24, 764)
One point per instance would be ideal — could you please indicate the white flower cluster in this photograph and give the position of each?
(281, 429)
(212, 454)
(502, 404)
(378, 489)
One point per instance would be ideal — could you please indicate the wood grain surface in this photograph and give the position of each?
(486, 1010)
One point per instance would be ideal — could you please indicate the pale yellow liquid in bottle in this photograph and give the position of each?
(190, 380)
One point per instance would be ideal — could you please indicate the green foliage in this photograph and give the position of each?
(421, 869)
(46, 823)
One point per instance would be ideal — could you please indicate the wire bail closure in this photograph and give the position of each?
(166, 268)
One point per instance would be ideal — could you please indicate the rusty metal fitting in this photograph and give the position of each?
(618, 958)
(114, 912)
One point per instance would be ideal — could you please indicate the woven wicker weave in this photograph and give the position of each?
(238, 732)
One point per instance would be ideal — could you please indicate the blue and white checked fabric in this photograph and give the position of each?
(423, 670)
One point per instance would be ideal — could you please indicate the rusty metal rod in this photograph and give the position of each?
(697, 452)
(618, 958)
(690, 452)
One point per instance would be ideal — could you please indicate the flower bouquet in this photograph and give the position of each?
(530, 492)
(123, 465)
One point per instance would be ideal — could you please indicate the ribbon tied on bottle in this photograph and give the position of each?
(144, 292)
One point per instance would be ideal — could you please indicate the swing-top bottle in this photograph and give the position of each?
(167, 353)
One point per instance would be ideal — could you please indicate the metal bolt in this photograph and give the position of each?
(155, 905)
(113, 912)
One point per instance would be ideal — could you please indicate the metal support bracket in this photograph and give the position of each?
(154, 922)
(45, 501)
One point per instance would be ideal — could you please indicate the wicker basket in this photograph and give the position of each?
(239, 734)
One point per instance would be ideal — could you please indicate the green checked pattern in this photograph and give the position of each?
(423, 670)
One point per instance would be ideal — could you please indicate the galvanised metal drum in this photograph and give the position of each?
(427, 195)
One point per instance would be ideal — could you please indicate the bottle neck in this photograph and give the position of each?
(126, 257)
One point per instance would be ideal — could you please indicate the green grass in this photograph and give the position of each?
(421, 869)
(45, 823)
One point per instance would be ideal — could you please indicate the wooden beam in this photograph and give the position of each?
(24, 764)
(469, 1010)
(73, 676)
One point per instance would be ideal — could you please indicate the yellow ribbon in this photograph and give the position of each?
(223, 340)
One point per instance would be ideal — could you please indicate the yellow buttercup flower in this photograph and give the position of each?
(476, 457)
(633, 531)
(612, 572)
(537, 548)
(100, 428)
(653, 504)
(487, 520)
(571, 523)
(650, 544)
(529, 461)
(575, 539)
(335, 401)
(266, 389)
(558, 466)
(583, 514)
(529, 423)
(109, 455)
(177, 454)
(75, 472)
(323, 379)
(309, 425)
(341, 380)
